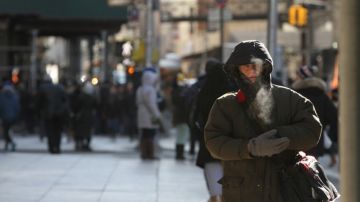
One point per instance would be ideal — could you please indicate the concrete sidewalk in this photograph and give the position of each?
(113, 172)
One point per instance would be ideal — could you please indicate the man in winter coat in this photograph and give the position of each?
(257, 131)
(148, 113)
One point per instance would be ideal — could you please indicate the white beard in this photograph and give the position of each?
(261, 107)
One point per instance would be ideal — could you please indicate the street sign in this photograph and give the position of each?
(214, 18)
(214, 15)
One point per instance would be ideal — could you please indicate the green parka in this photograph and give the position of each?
(228, 130)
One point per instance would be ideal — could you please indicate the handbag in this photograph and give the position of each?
(305, 181)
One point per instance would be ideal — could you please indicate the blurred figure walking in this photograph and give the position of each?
(9, 111)
(55, 108)
(112, 111)
(129, 110)
(179, 120)
(314, 89)
(215, 85)
(84, 114)
(148, 113)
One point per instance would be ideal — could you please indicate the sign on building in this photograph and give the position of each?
(214, 18)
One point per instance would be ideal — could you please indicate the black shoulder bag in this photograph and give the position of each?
(306, 181)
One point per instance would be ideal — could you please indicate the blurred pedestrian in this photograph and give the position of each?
(129, 109)
(216, 84)
(9, 112)
(257, 131)
(314, 89)
(30, 113)
(103, 99)
(54, 103)
(179, 116)
(84, 114)
(191, 96)
(112, 111)
(148, 114)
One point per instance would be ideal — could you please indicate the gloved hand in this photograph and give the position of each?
(267, 144)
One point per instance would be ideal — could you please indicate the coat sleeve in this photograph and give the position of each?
(304, 129)
(218, 138)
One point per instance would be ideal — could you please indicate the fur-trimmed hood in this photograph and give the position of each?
(312, 82)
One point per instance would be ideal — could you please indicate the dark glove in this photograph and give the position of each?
(267, 144)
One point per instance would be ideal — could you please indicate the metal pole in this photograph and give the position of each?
(104, 65)
(221, 10)
(149, 33)
(272, 30)
(309, 37)
(303, 46)
(33, 69)
(91, 56)
(349, 100)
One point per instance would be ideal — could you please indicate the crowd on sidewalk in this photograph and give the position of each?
(76, 109)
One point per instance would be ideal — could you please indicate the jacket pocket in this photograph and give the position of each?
(231, 182)
(232, 188)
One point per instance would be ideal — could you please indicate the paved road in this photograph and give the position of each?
(112, 173)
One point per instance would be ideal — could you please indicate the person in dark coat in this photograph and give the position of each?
(179, 119)
(129, 110)
(55, 107)
(314, 89)
(112, 111)
(84, 114)
(258, 130)
(9, 112)
(191, 96)
(215, 85)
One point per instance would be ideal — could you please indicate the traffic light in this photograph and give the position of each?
(131, 70)
(292, 15)
(302, 14)
(298, 15)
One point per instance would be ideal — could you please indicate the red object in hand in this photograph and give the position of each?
(240, 96)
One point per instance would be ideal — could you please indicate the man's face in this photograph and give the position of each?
(251, 71)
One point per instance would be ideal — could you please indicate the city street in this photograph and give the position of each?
(260, 77)
(112, 172)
